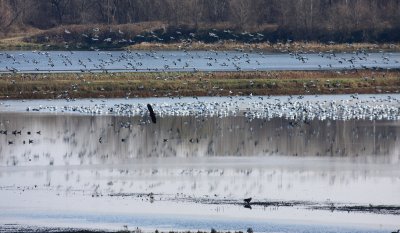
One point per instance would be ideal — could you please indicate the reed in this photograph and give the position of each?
(86, 85)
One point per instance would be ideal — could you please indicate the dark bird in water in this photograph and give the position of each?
(15, 132)
(247, 200)
(152, 114)
(192, 140)
(247, 203)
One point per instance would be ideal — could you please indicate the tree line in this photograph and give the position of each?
(343, 20)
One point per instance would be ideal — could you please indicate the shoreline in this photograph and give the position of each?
(177, 84)
(20, 43)
(300, 46)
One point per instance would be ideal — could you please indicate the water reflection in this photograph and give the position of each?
(232, 157)
(70, 139)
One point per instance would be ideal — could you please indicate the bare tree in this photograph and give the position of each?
(5, 14)
(60, 7)
(303, 19)
(240, 10)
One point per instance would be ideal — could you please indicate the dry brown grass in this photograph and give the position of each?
(268, 47)
(220, 26)
(18, 31)
(24, 86)
(130, 29)
(17, 43)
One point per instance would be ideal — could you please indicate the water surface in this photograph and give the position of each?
(192, 172)
(142, 61)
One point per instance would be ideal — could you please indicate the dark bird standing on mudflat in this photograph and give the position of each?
(247, 203)
(152, 114)
(247, 200)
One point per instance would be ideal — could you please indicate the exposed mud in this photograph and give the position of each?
(328, 206)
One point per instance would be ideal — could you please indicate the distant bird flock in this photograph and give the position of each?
(350, 107)
(191, 61)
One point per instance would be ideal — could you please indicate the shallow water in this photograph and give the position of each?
(192, 172)
(295, 108)
(141, 61)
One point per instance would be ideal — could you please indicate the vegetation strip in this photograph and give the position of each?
(119, 85)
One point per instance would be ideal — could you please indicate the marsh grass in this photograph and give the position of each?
(18, 43)
(86, 85)
(267, 47)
